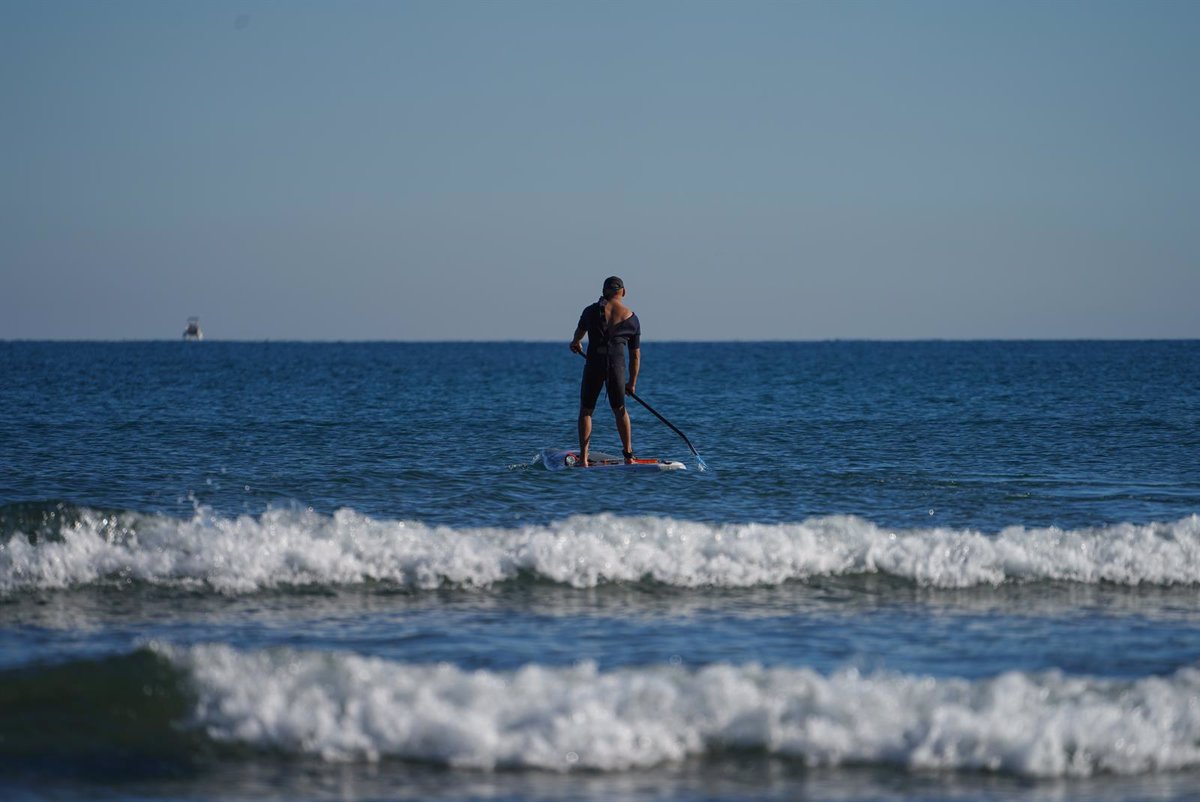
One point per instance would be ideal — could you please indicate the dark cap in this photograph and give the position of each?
(612, 285)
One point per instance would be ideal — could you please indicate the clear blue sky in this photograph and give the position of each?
(473, 170)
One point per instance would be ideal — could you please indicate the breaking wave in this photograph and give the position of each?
(64, 547)
(346, 707)
(169, 704)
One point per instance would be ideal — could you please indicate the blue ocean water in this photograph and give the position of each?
(932, 570)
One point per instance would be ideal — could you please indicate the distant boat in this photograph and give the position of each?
(193, 332)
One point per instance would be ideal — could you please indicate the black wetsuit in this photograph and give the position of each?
(607, 345)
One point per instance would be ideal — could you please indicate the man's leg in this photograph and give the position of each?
(589, 390)
(624, 429)
(585, 434)
(615, 383)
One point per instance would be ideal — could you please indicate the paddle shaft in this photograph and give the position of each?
(670, 425)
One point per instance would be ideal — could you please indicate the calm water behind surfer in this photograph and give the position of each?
(612, 329)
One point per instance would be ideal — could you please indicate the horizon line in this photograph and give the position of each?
(748, 341)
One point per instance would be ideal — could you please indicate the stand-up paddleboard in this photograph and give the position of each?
(556, 459)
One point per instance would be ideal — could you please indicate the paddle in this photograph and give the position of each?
(673, 427)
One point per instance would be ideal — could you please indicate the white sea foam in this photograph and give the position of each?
(346, 707)
(283, 547)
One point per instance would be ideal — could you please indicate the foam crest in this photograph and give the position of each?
(346, 707)
(284, 547)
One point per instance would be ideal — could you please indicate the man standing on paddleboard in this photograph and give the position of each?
(612, 329)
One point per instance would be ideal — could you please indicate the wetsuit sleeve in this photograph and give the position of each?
(635, 338)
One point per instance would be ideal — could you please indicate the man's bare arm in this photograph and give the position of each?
(635, 364)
